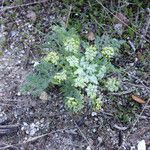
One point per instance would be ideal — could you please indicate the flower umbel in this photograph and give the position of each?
(74, 104)
(72, 45)
(59, 77)
(108, 52)
(97, 104)
(52, 57)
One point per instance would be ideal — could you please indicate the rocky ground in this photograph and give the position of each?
(29, 123)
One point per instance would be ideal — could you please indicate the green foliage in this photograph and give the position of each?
(112, 84)
(39, 80)
(76, 66)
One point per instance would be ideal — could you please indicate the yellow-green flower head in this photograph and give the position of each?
(90, 53)
(97, 104)
(74, 104)
(72, 44)
(71, 101)
(52, 57)
(73, 61)
(108, 52)
(59, 77)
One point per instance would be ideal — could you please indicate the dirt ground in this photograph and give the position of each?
(28, 123)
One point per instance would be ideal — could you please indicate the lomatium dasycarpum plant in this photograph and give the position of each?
(76, 66)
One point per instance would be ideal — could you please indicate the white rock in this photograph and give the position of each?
(100, 140)
(35, 63)
(88, 148)
(44, 96)
(142, 145)
(94, 130)
(94, 114)
(25, 124)
(19, 94)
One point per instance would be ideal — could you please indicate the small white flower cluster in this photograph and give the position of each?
(108, 52)
(72, 45)
(90, 53)
(52, 57)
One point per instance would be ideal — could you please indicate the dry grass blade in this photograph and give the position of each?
(67, 21)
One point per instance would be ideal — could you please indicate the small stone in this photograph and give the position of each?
(31, 15)
(96, 119)
(35, 63)
(27, 132)
(118, 28)
(94, 130)
(19, 94)
(25, 124)
(142, 145)
(99, 140)
(44, 96)
(88, 148)
(91, 36)
(32, 129)
(94, 114)
(3, 117)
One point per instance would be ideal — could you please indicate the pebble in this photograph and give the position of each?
(19, 94)
(94, 130)
(96, 119)
(3, 117)
(94, 114)
(99, 140)
(44, 96)
(31, 129)
(88, 148)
